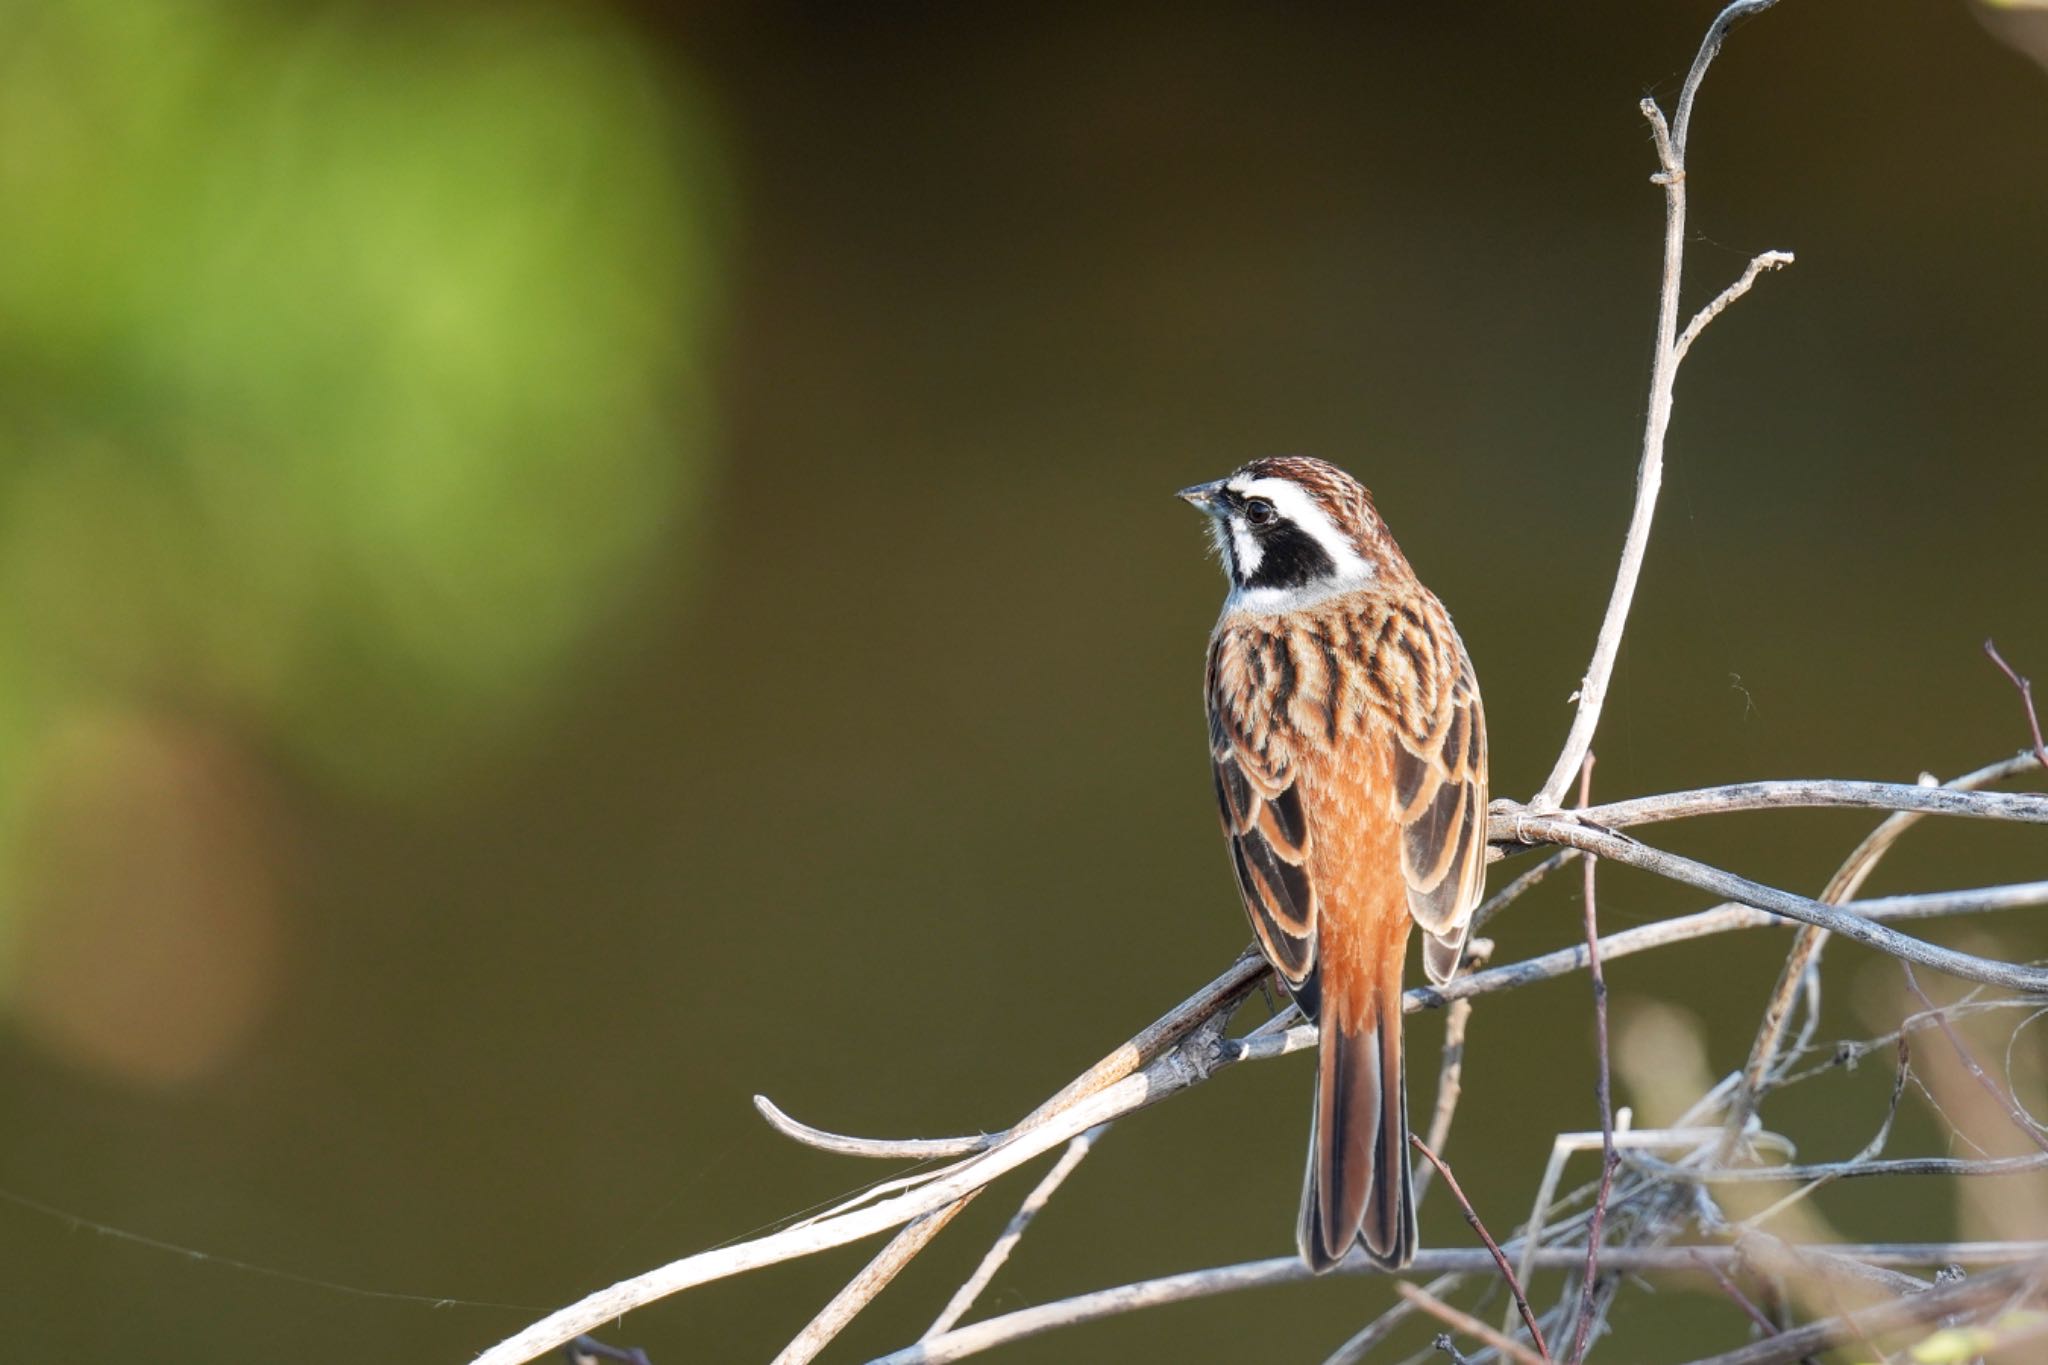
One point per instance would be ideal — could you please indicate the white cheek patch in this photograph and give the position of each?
(1250, 554)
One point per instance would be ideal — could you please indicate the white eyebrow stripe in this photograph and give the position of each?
(1293, 501)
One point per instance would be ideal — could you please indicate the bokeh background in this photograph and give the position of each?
(562, 564)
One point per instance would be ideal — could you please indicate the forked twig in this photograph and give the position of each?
(1671, 144)
(2026, 687)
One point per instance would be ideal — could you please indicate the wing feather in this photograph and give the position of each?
(1263, 818)
(1440, 800)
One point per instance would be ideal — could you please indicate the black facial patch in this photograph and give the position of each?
(1289, 557)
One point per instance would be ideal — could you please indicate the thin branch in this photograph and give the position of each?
(1671, 142)
(1769, 260)
(2028, 807)
(1039, 1319)
(860, 1291)
(1582, 1337)
(1520, 886)
(1041, 1194)
(1844, 1170)
(1808, 944)
(2026, 687)
(1620, 848)
(1461, 1321)
(2020, 1119)
(1450, 1076)
(1833, 1267)
(1507, 1272)
(1114, 1087)
(1734, 1292)
(910, 1149)
(1719, 920)
(1932, 1305)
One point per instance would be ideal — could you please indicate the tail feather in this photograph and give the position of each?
(1358, 1185)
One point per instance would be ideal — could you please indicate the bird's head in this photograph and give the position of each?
(1292, 530)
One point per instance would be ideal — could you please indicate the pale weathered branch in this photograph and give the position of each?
(1845, 1170)
(1620, 848)
(899, 1149)
(1671, 144)
(1932, 1305)
(1769, 260)
(1801, 962)
(1041, 1194)
(2027, 807)
(1500, 1260)
(989, 1333)
(873, 1278)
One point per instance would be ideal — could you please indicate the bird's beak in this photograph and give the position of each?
(1207, 496)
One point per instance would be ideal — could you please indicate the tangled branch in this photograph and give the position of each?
(1653, 1209)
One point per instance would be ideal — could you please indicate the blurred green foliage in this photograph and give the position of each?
(350, 363)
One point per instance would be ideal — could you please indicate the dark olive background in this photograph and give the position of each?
(882, 789)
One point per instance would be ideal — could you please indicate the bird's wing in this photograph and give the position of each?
(1440, 801)
(1259, 797)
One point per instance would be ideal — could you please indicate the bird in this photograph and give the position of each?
(1348, 748)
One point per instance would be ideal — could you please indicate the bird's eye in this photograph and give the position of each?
(1259, 512)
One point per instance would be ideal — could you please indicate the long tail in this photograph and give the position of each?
(1358, 1187)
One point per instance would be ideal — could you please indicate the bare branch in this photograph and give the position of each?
(1500, 1259)
(1807, 945)
(1450, 1076)
(1932, 1305)
(1620, 848)
(2020, 1118)
(1846, 1170)
(1664, 363)
(1039, 1319)
(1041, 1195)
(1769, 260)
(2028, 807)
(860, 1291)
(910, 1149)
(1734, 1292)
(2026, 687)
(1520, 886)
(1582, 1336)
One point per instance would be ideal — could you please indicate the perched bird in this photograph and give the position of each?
(1350, 766)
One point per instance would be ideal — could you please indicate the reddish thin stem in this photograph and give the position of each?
(1499, 1258)
(2026, 687)
(2011, 1106)
(1734, 1291)
(1583, 1333)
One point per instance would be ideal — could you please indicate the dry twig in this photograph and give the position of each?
(1500, 1259)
